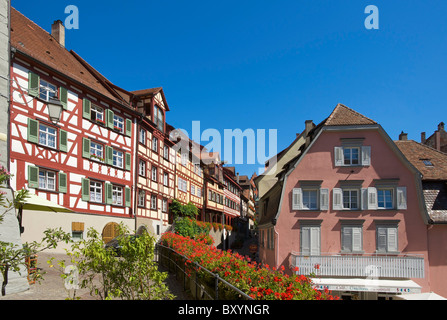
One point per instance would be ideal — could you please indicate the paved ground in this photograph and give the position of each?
(53, 288)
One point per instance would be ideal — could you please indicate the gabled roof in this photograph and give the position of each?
(416, 152)
(344, 116)
(151, 92)
(33, 41)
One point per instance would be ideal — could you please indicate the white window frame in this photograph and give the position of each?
(142, 168)
(47, 134)
(166, 152)
(350, 197)
(97, 113)
(193, 189)
(165, 178)
(118, 158)
(155, 144)
(47, 180)
(310, 240)
(96, 191)
(184, 157)
(117, 195)
(183, 185)
(47, 90)
(141, 198)
(322, 198)
(380, 195)
(307, 198)
(164, 205)
(142, 136)
(154, 174)
(364, 156)
(349, 161)
(97, 151)
(118, 123)
(153, 202)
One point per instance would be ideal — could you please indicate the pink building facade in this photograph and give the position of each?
(347, 210)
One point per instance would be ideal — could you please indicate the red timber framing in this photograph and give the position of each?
(85, 161)
(155, 162)
(232, 193)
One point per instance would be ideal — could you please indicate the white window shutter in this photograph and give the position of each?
(356, 239)
(338, 156)
(315, 241)
(337, 201)
(297, 199)
(364, 198)
(381, 239)
(392, 240)
(372, 198)
(366, 155)
(401, 198)
(324, 199)
(305, 241)
(346, 241)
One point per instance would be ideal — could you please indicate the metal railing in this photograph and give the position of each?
(352, 265)
(202, 285)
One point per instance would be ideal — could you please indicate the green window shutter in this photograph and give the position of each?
(33, 177)
(128, 127)
(33, 84)
(127, 196)
(33, 130)
(108, 188)
(128, 160)
(109, 119)
(62, 182)
(63, 140)
(86, 148)
(85, 189)
(109, 155)
(86, 108)
(63, 97)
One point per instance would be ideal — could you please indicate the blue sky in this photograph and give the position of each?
(268, 64)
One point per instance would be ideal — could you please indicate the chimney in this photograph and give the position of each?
(237, 177)
(423, 137)
(437, 140)
(403, 136)
(58, 32)
(309, 125)
(441, 126)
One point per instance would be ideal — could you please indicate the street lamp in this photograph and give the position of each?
(54, 109)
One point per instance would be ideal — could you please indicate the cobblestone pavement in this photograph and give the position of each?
(52, 286)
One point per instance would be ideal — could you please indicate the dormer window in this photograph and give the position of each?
(427, 162)
(158, 118)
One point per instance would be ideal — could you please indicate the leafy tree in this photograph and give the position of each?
(129, 273)
(181, 210)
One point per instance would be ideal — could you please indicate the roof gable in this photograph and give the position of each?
(344, 116)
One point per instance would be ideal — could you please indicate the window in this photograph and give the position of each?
(118, 123)
(95, 191)
(387, 237)
(199, 192)
(427, 162)
(352, 155)
(154, 144)
(47, 90)
(197, 169)
(96, 151)
(142, 168)
(310, 199)
(166, 152)
(165, 178)
(142, 136)
(117, 195)
(154, 174)
(141, 198)
(153, 202)
(97, 114)
(385, 199)
(351, 238)
(351, 199)
(193, 189)
(310, 239)
(118, 158)
(184, 159)
(164, 205)
(158, 118)
(182, 185)
(47, 180)
(47, 136)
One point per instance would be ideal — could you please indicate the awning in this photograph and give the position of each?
(367, 285)
(34, 202)
(420, 296)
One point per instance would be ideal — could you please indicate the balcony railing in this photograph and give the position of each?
(362, 265)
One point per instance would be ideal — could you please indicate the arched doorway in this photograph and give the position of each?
(110, 231)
